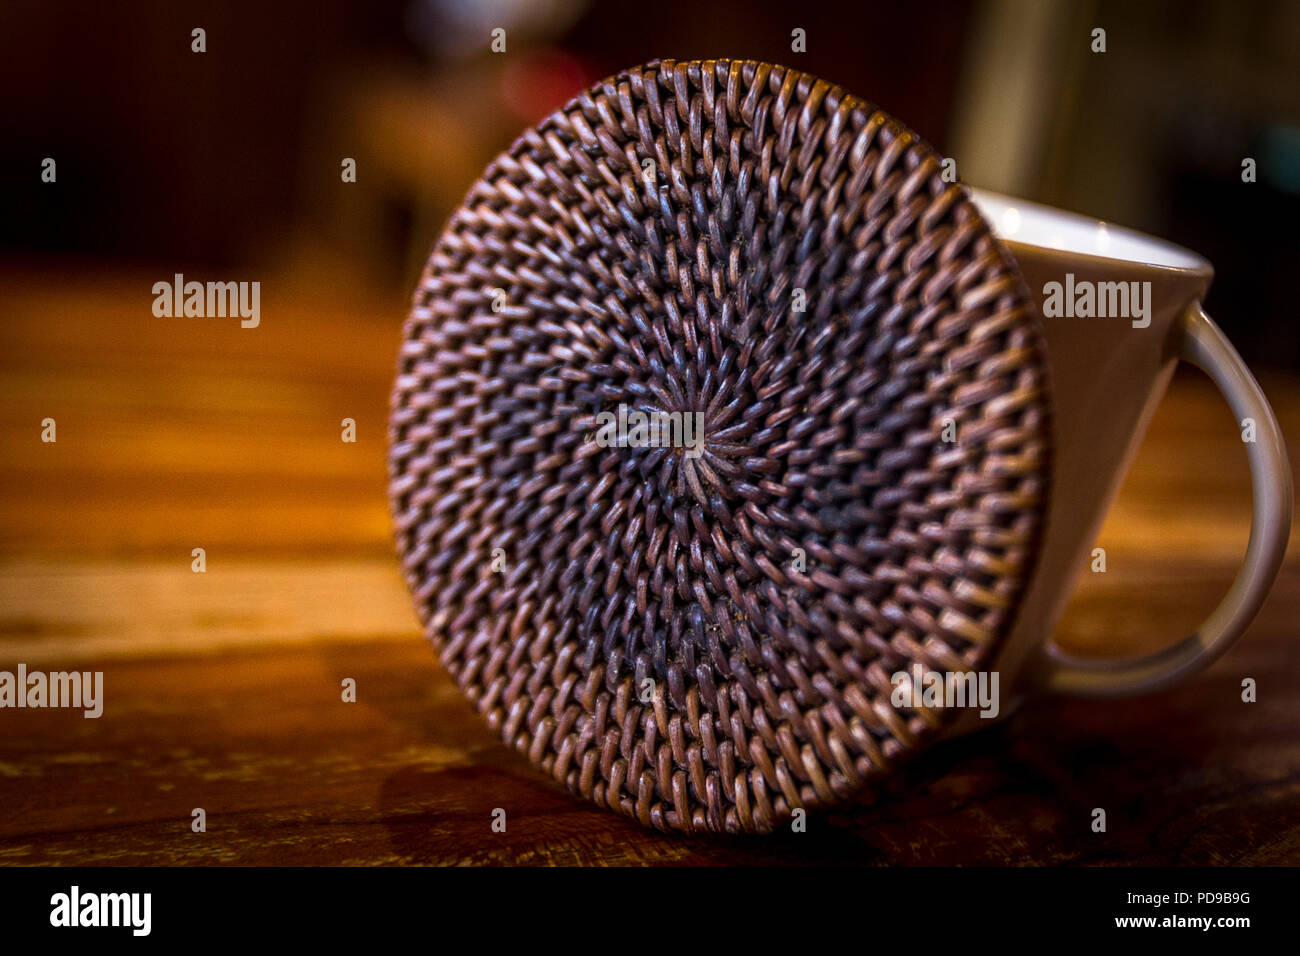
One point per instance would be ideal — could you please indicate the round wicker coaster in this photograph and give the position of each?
(701, 629)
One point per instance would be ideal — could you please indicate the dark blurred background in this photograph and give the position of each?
(169, 160)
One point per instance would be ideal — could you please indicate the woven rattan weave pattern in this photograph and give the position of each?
(705, 641)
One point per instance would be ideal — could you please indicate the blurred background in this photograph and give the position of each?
(231, 159)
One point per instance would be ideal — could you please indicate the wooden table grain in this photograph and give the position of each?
(222, 690)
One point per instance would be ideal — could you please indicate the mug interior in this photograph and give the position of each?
(1018, 220)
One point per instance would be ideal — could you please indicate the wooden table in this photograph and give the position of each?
(223, 689)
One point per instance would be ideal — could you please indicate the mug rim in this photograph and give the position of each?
(1168, 256)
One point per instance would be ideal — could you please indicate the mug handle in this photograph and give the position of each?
(1196, 339)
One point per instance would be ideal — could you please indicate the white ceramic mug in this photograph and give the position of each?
(1107, 376)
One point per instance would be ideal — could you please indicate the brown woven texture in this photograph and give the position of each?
(633, 619)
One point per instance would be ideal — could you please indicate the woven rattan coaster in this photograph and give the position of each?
(699, 624)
